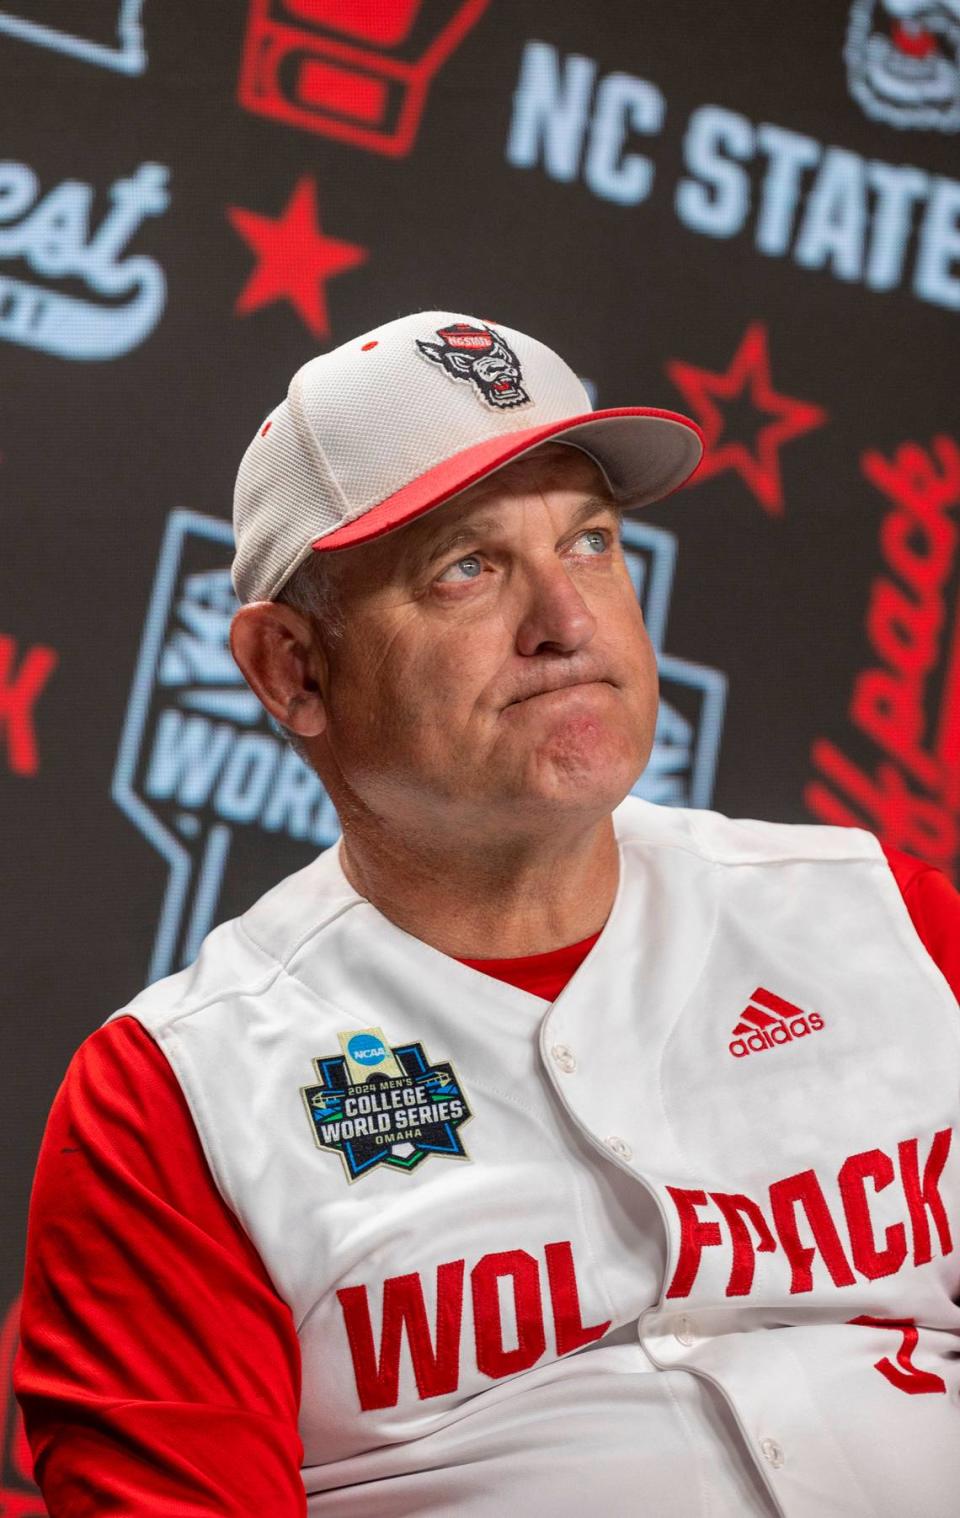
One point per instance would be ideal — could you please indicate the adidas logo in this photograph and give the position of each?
(767, 1020)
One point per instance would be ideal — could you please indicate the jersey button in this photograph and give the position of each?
(563, 1058)
(683, 1331)
(773, 1452)
(619, 1147)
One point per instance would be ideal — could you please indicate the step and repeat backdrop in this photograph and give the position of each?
(749, 213)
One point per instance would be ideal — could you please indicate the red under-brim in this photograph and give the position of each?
(646, 454)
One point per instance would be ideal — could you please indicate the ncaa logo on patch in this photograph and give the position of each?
(366, 1050)
(202, 771)
(903, 62)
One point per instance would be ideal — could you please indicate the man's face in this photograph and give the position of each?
(495, 670)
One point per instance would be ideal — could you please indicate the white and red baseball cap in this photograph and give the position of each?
(397, 421)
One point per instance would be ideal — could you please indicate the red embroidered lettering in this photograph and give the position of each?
(568, 1322)
(735, 1208)
(906, 1376)
(524, 1272)
(923, 1196)
(436, 1371)
(804, 1190)
(694, 1238)
(869, 1260)
(18, 697)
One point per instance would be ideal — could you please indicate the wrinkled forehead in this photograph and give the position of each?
(551, 467)
(552, 464)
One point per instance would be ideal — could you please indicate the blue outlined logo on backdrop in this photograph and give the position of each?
(51, 237)
(106, 32)
(683, 765)
(199, 757)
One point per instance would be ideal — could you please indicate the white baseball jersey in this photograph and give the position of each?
(682, 1242)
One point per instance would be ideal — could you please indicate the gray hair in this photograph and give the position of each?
(314, 591)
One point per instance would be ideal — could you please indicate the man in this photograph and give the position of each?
(535, 1148)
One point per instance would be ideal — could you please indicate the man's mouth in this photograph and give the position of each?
(556, 690)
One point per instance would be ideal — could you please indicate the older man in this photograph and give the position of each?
(535, 1148)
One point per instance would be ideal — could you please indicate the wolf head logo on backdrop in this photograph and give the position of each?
(903, 62)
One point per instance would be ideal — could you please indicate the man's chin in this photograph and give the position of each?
(580, 781)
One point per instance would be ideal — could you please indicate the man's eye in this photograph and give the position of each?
(471, 559)
(599, 538)
(471, 567)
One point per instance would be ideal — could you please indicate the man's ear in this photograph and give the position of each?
(278, 655)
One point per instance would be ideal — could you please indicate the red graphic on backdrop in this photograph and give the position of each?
(295, 258)
(747, 376)
(19, 1496)
(20, 689)
(356, 70)
(907, 705)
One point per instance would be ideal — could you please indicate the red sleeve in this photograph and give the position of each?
(158, 1370)
(934, 907)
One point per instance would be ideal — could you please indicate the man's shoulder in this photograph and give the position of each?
(248, 955)
(719, 839)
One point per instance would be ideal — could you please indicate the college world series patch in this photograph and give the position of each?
(377, 1105)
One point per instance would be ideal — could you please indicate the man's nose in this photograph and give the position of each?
(554, 615)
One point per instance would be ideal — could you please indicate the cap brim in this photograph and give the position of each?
(645, 454)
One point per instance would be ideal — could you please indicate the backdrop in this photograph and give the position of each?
(745, 212)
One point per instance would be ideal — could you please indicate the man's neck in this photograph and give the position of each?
(488, 902)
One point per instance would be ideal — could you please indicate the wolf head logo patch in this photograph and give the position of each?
(480, 356)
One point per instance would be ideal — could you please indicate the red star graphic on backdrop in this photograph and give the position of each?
(749, 372)
(294, 257)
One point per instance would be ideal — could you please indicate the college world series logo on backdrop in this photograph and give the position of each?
(199, 758)
(683, 765)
